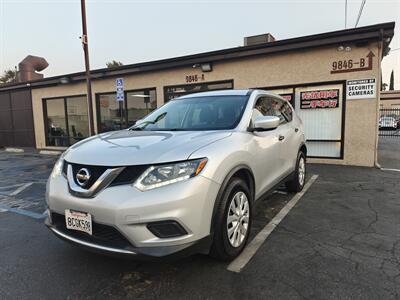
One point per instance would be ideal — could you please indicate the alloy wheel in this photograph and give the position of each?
(302, 171)
(238, 219)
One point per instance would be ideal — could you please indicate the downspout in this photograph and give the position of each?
(378, 95)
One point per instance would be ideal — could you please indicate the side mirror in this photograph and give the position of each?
(264, 123)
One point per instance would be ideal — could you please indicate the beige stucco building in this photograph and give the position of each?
(345, 63)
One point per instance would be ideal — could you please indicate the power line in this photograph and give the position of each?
(360, 12)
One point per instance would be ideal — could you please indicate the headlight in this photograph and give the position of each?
(57, 169)
(161, 175)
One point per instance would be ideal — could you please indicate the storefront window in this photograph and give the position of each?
(171, 92)
(66, 120)
(287, 94)
(56, 123)
(140, 104)
(113, 115)
(77, 119)
(110, 112)
(321, 109)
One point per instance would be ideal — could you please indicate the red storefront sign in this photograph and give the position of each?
(319, 99)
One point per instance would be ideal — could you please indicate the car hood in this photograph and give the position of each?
(127, 147)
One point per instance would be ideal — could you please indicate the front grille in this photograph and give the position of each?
(127, 176)
(95, 172)
(103, 235)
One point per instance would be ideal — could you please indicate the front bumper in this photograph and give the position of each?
(125, 212)
(143, 253)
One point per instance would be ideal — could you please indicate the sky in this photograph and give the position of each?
(135, 31)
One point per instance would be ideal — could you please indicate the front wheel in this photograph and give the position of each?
(232, 221)
(296, 184)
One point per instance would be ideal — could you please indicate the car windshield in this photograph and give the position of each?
(196, 113)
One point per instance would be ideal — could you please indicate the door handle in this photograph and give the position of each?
(281, 137)
(296, 129)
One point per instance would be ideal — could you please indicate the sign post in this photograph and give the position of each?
(84, 39)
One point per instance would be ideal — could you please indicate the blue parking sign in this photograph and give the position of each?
(119, 86)
(119, 82)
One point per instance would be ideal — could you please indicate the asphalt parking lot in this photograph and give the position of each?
(340, 241)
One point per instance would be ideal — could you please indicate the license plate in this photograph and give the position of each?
(80, 221)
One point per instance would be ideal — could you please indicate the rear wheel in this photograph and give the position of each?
(296, 184)
(232, 221)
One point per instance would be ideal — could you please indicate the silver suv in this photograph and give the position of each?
(182, 180)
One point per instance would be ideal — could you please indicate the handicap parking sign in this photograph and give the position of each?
(119, 86)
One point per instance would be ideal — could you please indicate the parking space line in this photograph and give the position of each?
(240, 262)
(24, 212)
(7, 187)
(21, 188)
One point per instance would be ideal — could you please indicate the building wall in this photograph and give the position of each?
(390, 104)
(290, 68)
(390, 99)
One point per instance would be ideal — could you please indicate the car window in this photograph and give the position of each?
(270, 106)
(196, 113)
(287, 112)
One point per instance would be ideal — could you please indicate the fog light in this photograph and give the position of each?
(166, 229)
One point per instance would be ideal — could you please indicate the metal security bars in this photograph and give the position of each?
(389, 122)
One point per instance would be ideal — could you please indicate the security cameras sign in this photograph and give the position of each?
(119, 86)
(361, 89)
(319, 99)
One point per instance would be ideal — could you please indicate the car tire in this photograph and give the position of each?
(297, 182)
(230, 238)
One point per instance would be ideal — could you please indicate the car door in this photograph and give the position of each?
(289, 143)
(265, 150)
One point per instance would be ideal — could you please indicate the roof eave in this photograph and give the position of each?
(357, 35)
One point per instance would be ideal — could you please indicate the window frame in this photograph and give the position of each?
(45, 117)
(124, 124)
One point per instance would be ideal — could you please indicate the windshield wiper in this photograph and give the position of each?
(168, 129)
(143, 124)
(136, 128)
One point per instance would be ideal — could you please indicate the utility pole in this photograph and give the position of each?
(345, 14)
(84, 39)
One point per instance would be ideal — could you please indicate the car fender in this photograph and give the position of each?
(224, 184)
